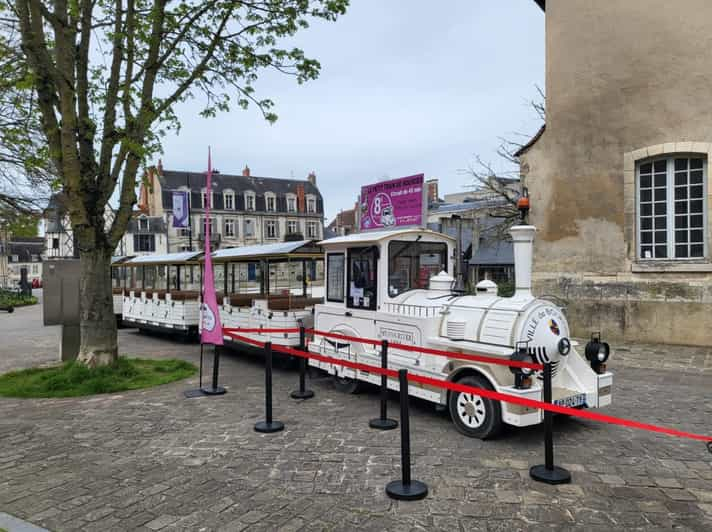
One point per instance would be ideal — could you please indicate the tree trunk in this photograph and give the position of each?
(98, 345)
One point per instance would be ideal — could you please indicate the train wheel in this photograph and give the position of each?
(475, 416)
(346, 384)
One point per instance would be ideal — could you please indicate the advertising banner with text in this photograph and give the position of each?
(392, 204)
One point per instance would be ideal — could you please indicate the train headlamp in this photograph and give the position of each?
(597, 353)
(522, 376)
(564, 346)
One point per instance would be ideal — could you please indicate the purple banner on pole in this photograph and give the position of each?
(210, 326)
(180, 209)
(394, 203)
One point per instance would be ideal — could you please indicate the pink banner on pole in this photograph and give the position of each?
(211, 328)
(392, 204)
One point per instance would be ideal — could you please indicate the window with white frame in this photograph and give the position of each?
(311, 204)
(312, 230)
(292, 227)
(291, 203)
(229, 200)
(143, 223)
(249, 201)
(671, 194)
(249, 228)
(204, 199)
(270, 202)
(212, 225)
(230, 227)
(271, 229)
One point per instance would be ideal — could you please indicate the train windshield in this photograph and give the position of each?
(362, 280)
(412, 264)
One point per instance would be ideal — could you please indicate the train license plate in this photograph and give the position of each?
(572, 401)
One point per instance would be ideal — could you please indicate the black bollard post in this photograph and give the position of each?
(200, 377)
(199, 391)
(268, 425)
(383, 423)
(215, 389)
(302, 392)
(549, 473)
(405, 489)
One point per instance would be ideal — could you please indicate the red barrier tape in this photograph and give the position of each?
(489, 394)
(264, 331)
(437, 352)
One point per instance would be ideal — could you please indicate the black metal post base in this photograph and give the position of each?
(383, 424)
(217, 390)
(301, 394)
(413, 491)
(557, 475)
(269, 426)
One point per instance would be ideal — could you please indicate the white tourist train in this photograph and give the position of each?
(262, 286)
(397, 285)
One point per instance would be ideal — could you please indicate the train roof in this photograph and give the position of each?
(168, 258)
(377, 236)
(299, 248)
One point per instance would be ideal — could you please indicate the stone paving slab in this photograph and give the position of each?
(153, 460)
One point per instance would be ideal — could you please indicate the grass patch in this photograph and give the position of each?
(72, 379)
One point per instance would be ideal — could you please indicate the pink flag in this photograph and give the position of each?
(211, 328)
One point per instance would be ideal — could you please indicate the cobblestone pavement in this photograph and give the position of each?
(152, 460)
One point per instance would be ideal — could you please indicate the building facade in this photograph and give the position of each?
(144, 235)
(619, 178)
(246, 210)
(344, 223)
(24, 253)
(59, 237)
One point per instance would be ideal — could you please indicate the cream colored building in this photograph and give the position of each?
(619, 179)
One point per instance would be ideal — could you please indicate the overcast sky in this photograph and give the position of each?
(407, 86)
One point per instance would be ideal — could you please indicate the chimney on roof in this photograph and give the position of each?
(432, 188)
(246, 171)
(312, 177)
(159, 167)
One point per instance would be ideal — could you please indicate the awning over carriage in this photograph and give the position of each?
(167, 258)
(301, 249)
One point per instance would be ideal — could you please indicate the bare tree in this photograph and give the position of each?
(503, 188)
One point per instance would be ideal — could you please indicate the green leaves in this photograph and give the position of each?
(95, 115)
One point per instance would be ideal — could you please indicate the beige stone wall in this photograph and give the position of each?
(625, 80)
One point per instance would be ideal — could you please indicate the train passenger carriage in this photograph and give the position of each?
(118, 285)
(271, 286)
(398, 286)
(162, 292)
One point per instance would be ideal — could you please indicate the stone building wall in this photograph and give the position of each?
(626, 81)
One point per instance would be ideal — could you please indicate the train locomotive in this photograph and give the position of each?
(398, 286)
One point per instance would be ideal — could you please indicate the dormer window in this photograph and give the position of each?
(270, 202)
(249, 201)
(311, 204)
(291, 203)
(204, 199)
(229, 200)
(143, 223)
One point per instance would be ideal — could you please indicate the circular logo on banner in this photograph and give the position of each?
(382, 210)
(208, 318)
